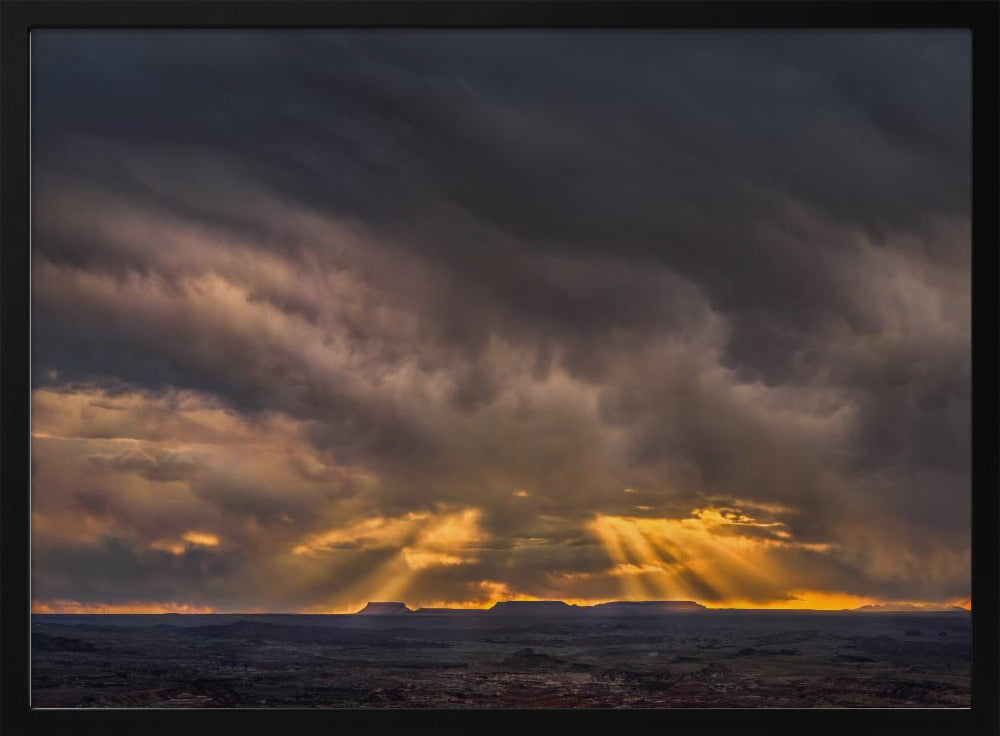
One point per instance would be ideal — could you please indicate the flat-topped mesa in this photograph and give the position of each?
(533, 608)
(644, 608)
(384, 608)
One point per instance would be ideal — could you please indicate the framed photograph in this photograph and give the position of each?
(478, 366)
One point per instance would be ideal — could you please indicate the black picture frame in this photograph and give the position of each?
(19, 17)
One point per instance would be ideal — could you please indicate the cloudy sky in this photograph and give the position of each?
(323, 317)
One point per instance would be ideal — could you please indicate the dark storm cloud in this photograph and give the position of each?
(113, 571)
(687, 149)
(692, 265)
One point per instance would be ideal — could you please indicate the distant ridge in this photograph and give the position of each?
(644, 608)
(909, 608)
(384, 608)
(532, 608)
(540, 608)
(449, 611)
(612, 608)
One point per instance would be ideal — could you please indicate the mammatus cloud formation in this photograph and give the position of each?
(321, 317)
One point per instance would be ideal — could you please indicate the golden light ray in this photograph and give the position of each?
(419, 541)
(712, 553)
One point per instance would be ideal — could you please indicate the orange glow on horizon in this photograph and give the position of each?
(802, 601)
(61, 606)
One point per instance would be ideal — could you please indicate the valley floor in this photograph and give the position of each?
(714, 659)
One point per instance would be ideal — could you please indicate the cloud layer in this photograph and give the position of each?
(447, 317)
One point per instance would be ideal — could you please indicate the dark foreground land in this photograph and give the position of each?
(710, 659)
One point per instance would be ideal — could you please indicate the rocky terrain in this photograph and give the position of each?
(439, 659)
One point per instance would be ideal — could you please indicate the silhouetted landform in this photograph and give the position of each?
(384, 608)
(644, 608)
(613, 608)
(532, 608)
(560, 608)
(483, 659)
(909, 608)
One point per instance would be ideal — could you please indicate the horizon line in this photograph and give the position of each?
(102, 609)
